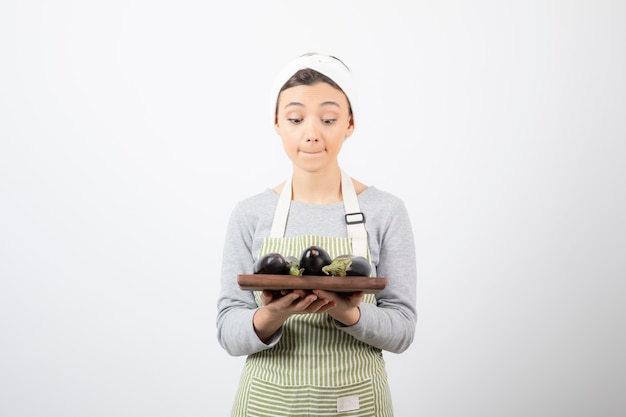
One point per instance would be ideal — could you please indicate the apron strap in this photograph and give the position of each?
(355, 219)
(282, 211)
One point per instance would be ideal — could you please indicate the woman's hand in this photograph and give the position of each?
(288, 302)
(278, 306)
(346, 309)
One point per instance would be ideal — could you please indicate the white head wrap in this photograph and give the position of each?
(324, 64)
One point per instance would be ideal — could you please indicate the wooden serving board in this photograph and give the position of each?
(259, 282)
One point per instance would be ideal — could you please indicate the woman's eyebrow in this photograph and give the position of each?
(325, 103)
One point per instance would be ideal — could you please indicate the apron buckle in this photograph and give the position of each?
(359, 220)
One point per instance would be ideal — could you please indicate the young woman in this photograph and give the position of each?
(317, 352)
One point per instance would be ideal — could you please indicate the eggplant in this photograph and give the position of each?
(348, 265)
(313, 259)
(271, 263)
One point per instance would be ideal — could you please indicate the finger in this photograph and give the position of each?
(306, 302)
(329, 295)
(266, 296)
(302, 293)
(326, 307)
(290, 299)
(316, 306)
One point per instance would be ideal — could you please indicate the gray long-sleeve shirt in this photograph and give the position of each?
(388, 325)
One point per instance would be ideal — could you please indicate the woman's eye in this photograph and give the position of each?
(294, 120)
(328, 121)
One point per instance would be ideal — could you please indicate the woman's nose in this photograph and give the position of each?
(312, 134)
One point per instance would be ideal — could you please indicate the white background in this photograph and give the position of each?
(129, 129)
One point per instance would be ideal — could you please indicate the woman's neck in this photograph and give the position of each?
(317, 188)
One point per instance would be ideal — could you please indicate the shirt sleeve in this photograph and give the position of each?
(236, 307)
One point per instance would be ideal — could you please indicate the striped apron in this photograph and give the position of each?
(315, 369)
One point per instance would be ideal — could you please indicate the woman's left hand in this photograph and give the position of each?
(346, 309)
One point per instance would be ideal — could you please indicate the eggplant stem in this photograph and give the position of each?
(294, 269)
(338, 267)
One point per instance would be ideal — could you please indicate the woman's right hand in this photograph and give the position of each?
(278, 306)
(288, 302)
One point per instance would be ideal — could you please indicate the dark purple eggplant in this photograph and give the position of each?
(348, 265)
(271, 263)
(313, 259)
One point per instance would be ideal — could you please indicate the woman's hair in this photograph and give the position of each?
(308, 76)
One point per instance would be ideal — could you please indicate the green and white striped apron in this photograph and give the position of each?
(315, 369)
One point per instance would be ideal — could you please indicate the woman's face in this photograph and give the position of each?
(313, 122)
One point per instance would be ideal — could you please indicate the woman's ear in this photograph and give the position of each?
(276, 127)
(350, 128)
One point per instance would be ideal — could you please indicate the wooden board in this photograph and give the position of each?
(258, 282)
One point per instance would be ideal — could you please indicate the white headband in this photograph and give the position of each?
(324, 64)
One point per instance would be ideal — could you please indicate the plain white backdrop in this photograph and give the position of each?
(129, 129)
